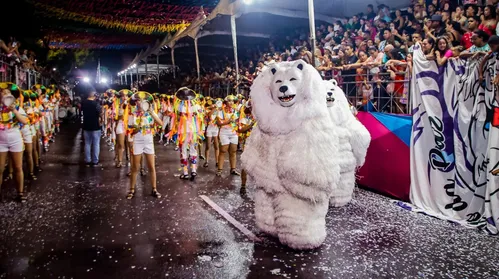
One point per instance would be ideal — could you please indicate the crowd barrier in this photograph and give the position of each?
(367, 92)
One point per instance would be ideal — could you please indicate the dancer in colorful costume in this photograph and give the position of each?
(120, 113)
(227, 119)
(143, 118)
(246, 123)
(211, 113)
(166, 109)
(11, 140)
(188, 125)
(27, 131)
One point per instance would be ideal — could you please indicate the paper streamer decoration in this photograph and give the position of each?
(142, 26)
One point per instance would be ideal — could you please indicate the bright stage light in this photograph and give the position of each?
(248, 2)
(54, 69)
(86, 79)
(103, 80)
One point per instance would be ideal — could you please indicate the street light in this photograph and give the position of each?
(86, 79)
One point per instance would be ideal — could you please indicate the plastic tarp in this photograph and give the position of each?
(387, 166)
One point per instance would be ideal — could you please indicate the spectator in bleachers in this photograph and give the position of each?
(480, 45)
(489, 20)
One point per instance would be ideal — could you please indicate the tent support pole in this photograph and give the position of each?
(311, 16)
(197, 58)
(131, 79)
(234, 45)
(173, 62)
(157, 67)
(138, 78)
(146, 66)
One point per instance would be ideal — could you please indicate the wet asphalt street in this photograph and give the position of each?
(78, 224)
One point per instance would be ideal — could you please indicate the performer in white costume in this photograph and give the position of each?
(290, 154)
(354, 139)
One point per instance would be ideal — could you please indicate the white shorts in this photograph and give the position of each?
(120, 127)
(11, 140)
(27, 134)
(212, 131)
(143, 144)
(228, 139)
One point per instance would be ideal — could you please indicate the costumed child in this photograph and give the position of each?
(211, 112)
(227, 119)
(11, 140)
(143, 118)
(187, 124)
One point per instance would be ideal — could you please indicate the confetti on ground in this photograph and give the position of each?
(78, 224)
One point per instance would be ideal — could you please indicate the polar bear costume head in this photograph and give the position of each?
(287, 94)
(337, 102)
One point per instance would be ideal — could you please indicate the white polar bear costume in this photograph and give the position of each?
(354, 139)
(290, 154)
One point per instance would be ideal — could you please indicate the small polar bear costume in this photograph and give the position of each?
(290, 154)
(354, 139)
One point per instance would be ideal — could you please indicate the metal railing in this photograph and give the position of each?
(12, 71)
(367, 91)
(380, 93)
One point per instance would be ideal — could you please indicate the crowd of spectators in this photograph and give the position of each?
(370, 54)
(13, 57)
(12, 52)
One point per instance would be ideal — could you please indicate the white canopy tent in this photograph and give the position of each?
(257, 18)
(142, 70)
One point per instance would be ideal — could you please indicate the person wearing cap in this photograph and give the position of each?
(437, 27)
(11, 140)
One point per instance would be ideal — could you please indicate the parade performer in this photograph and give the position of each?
(166, 109)
(188, 125)
(120, 109)
(11, 140)
(227, 119)
(211, 111)
(354, 139)
(34, 117)
(246, 123)
(143, 118)
(27, 131)
(290, 154)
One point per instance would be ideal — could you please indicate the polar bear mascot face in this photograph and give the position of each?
(334, 94)
(287, 94)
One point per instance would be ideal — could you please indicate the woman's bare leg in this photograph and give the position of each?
(36, 161)
(120, 147)
(29, 159)
(3, 160)
(150, 161)
(224, 149)
(17, 165)
(134, 172)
